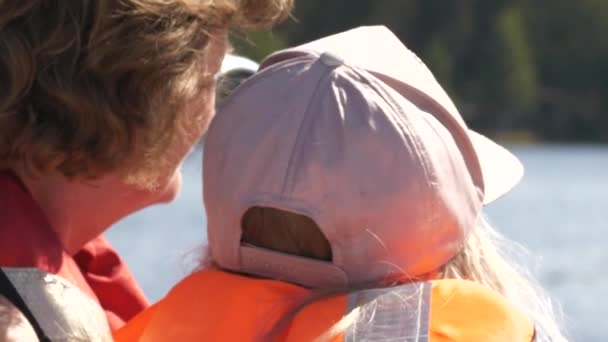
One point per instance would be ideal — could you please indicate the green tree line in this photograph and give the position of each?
(533, 69)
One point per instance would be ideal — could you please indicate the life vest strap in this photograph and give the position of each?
(56, 309)
(396, 314)
(8, 290)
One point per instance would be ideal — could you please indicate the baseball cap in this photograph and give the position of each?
(354, 132)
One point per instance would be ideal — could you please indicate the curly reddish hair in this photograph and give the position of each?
(82, 80)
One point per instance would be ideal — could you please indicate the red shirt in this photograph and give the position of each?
(27, 240)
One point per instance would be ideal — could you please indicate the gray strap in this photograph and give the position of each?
(397, 314)
(8, 290)
(63, 311)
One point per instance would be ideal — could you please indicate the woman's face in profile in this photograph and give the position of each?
(162, 179)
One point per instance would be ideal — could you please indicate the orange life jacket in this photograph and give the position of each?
(220, 306)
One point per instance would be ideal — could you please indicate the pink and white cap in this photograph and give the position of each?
(353, 131)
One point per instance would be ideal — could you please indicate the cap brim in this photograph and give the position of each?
(501, 170)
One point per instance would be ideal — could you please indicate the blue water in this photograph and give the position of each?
(559, 211)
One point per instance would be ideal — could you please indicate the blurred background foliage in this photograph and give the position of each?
(519, 70)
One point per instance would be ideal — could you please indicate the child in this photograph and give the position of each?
(344, 195)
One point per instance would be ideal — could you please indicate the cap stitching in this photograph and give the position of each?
(460, 135)
(432, 206)
(411, 136)
(374, 84)
(304, 124)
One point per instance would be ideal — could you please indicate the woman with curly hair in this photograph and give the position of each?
(99, 103)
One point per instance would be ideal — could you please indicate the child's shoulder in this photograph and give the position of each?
(463, 310)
